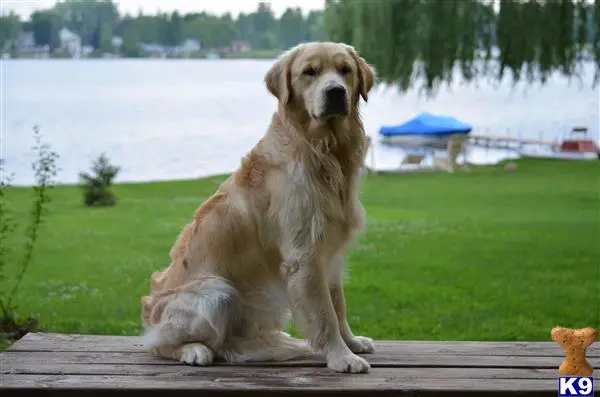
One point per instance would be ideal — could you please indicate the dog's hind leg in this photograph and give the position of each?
(195, 324)
(270, 346)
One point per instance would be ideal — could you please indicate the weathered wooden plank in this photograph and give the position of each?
(378, 359)
(66, 365)
(305, 392)
(279, 382)
(172, 372)
(100, 343)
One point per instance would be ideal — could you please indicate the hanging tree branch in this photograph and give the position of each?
(430, 40)
(596, 37)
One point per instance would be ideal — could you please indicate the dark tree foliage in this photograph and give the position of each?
(429, 40)
(46, 25)
(9, 28)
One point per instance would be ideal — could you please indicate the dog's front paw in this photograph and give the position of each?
(349, 363)
(361, 344)
(196, 354)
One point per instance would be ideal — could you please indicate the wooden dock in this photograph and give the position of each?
(516, 143)
(78, 365)
(509, 142)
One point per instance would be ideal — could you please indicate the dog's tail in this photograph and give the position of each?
(201, 314)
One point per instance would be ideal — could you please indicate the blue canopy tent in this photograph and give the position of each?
(427, 124)
(425, 134)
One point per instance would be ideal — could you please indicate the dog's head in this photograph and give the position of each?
(323, 78)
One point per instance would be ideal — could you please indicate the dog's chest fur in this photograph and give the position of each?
(328, 175)
(332, 172)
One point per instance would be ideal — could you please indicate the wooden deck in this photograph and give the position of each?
(78, 365)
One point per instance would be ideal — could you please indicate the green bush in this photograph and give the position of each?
(96, 186)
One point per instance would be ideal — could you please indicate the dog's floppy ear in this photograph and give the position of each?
(278, 77)
(366, 73)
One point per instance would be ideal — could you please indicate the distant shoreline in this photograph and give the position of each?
(207, 55)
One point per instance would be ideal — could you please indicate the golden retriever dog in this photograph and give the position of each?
(272, 239)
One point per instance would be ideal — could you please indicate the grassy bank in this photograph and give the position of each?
(483, 255)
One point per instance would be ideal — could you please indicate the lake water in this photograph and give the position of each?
(175, 119)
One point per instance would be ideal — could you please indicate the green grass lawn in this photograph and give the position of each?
(479, 255)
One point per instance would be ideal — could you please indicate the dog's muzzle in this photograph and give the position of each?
(336, 103)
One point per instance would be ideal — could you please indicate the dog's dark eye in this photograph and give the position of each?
(310, 71)
(345, 70)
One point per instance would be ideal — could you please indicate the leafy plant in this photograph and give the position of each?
(96, 186)
(45, 169)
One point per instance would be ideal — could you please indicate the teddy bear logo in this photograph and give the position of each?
(574, 343)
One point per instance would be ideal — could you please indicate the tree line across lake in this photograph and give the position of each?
(98, 21)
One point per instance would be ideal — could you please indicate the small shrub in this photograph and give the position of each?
(11, 325)
(96, 186)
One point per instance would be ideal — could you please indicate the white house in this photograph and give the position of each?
(191, 45)
(154, 50)
(117, 41)
(70, 42)
(187, 47)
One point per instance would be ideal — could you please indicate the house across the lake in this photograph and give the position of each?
(24, 45)
(117, 42)
(70, 42)
(154, 50)
(186, 48)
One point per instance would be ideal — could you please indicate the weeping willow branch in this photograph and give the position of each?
(433, 40)
(596, 38)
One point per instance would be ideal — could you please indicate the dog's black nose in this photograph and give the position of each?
(336, 93)
(335, 100)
